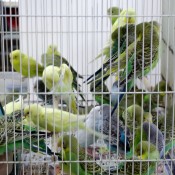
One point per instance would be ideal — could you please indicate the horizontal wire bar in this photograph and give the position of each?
(87, 16)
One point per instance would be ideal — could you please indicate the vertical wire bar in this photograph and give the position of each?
(143, 43)
(173, 103)
(127, 80)
(151, 45)
(10, 28)
(135, 49)
(167, 68)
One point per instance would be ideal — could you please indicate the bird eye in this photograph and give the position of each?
(64, 146)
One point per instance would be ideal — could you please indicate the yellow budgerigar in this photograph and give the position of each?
(25, 65)
(53, 119)
(59, 80)
(55, 58)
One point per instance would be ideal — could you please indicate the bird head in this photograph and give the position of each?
(128, 16)
(156, 26)
(51, 76)
(31, 110)
(15, 55)
(147, 117)
(133, 111)
(113, 11)
(162, 87)
(96, 111)
(68, 143)
(52, 49)
(66, 75)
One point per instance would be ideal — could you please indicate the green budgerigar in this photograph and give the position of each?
(130, 57)
(134, 115)
(122, 38)
(150, 132)
(58, 80)
(147, 35)
(71, 151)
(143, 151)
(25, 65)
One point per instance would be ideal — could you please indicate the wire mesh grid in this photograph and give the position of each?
(87, 87)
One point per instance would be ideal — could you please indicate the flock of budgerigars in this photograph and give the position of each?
(135, 124)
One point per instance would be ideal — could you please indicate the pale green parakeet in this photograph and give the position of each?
(71, 151)
(54, 57)
(25, 65)
(113, 12)
(53, 119)
(121, 21)
(58, 80)
(134, 115)
(143, 151)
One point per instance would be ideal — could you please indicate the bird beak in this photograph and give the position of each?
(139, 157)
(59, 149)
(26, 115)
(62, 73)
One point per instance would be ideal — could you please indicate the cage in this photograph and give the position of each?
(87, 87)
